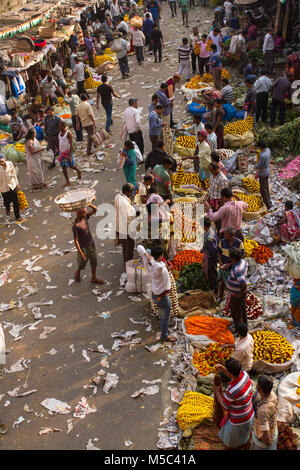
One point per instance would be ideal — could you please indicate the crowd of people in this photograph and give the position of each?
(223, 251)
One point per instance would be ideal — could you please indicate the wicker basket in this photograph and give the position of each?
(76, 199)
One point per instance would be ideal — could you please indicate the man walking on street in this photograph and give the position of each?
(52, 125)
(125, 213)
(78, 74)
(215, 65)
(85, 115)
(184, 53)
(85, 244)
(122, 55)
(106, 92)
(166, 102)
(281, 88)
(157, 42)
(148, 26)
(9, 187)
(262, 87)
(242, 51)
(132, 121)
(173, 7)
(268, 50)
(184, 6)
(263, 172)
(73, 101)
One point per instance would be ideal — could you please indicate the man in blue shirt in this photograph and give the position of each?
(263, 172)
(225, 244)
(155, 125)
(215, 66)
(154, 9)
(147, 30)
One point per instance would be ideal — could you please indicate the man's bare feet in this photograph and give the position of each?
(77, 276)
(67, 184)
(79, 175)
(20, 219)
(97, 281)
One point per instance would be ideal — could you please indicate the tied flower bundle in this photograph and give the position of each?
(100, 59)
(187, 141)
(271, 347)
(193, 409)
(254, 201)
(214, 328)
(215, 353)
(262, 254)
(251, 185)
(253, 304)
(23, 204)
(239, 127)
(186, 257)
(181, 178)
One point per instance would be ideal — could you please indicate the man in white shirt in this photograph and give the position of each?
(125, 213)
(161, 286)
(9, 187)
(244, 346)
(73, 57)
(123, 26)
(216, 37)
(268, 50)
(132, 122)
(228, 12)
(59, 74)
(85, 117)
(115, 11)
(262, 87)
(78, 74)
(242, 51)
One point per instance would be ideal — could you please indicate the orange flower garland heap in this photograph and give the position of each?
(215, 353)
(214, 328)
(262, 254)
(186, 257)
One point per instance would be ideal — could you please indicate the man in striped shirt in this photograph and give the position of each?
(184, 52)
(155, 125)
(237, 401)
(237, 286)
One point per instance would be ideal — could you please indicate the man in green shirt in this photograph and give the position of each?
(162, 178)
(184, 5)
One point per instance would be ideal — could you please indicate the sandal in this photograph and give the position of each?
(170, 339)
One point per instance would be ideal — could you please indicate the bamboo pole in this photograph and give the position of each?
(286, 19)
(277, 19)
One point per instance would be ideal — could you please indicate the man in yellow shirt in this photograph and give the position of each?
(85, 116)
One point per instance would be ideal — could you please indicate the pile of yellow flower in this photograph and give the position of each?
(271, 347)
(23, 204)
(254, 202)
(208, 45)
(188, 141)
(193, 409)
(195, 83)
(100, 59)
(126, 18)
(108, 51)
(3, 136)
(249, 246)
(258, 152)
(251, 185)
(239, 127)
(20, 147)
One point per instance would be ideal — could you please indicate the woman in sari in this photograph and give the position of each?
(34, 160)
(290, 228)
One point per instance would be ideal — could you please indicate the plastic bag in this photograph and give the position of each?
(137, 277)
(293, 262)
(2, 348)
(138, 152)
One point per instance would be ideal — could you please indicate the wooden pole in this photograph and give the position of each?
(277, 19)
(286, 19)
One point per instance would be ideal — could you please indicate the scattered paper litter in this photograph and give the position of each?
(85, 355)
(48, 430)
(69, 425)
(128, 443)
(151, 382)
(46, 331)
(164, 442)
(18, 421)
(36, 312)
(134, 298)
(72, 348)
(152, 390)
(104, 363)
(161, 363)
(111, 381)
(104, 315)
(154, 347)
(15, 392)
(127, 336)
(82, 409)
(57, 406)
(52, 352)
(91, 446)
(7, 403)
